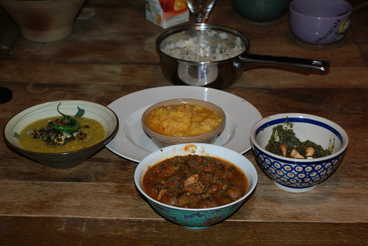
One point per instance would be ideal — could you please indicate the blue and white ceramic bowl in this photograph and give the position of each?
(299, 175)
(204, 217)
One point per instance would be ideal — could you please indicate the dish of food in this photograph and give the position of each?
(62, 133)
(298, 174)
(196, 218)
(283, 142)
(194, 181)
(205, 46)
(66, 132)
(182, 120)
(133, 144)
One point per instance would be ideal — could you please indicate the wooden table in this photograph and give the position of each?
(113, 54)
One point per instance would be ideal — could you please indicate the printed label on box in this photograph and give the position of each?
(167, 13)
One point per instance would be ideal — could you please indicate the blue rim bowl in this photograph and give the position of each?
(299, 175)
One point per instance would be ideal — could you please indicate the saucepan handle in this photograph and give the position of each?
(307, 65)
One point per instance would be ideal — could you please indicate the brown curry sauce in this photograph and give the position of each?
(195, 181)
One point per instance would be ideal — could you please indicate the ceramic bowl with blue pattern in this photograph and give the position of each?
(299, 175)
(191, 217)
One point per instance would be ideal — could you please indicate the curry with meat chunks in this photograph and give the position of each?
(195, 181)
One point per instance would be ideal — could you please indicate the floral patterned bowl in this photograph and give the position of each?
(191, 217)
(299, 175)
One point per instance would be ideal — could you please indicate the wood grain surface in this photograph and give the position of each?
(113, 54)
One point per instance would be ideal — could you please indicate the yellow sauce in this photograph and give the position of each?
(95, 133)
(183, 120)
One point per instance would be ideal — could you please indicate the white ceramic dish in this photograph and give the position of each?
(105, 116)
(132, 143)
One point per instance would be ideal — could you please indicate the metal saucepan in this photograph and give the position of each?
(212, 55)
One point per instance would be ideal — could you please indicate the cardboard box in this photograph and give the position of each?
(167, 13)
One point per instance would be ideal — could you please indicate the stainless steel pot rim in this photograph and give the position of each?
(200, 26)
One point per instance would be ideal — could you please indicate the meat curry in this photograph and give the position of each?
(195, 181)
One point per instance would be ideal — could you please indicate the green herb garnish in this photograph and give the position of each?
(67, 123)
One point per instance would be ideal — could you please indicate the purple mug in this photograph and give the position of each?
(319, 21)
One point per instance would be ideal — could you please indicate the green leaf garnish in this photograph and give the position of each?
(67, 123)
(80, 112)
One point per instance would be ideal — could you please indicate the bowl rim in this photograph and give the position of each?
(184, 100)
(314, 161)
(104, 140)
(293, 9)
(138, 174)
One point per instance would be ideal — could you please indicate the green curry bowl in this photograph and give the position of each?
(298, 151)
(196, 218)
(61, 134)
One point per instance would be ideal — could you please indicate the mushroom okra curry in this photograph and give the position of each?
(194, 181)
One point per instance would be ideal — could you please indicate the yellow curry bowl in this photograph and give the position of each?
(183, 120)
(61, 134)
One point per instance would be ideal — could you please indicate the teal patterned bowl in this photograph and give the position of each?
(190, 217)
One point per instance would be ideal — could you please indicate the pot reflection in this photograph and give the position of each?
(197, 74)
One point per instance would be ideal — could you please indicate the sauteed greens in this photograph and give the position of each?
(283, 142)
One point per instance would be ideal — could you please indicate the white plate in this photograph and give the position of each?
(133, 144)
